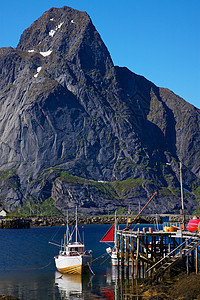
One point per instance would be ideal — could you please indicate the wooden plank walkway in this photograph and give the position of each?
(158, 251)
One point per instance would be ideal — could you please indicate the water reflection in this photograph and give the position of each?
(121, 285)
(117, 286)
(109, 284)
(28, 285)
(114, 273)
(72, 286)
(69, 285)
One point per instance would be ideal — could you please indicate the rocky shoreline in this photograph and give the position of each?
(181, 286)
(19, 223)
(8, 297)
(146, 219)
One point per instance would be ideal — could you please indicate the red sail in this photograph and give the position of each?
(109, 236)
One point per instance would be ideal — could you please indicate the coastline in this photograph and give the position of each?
(20, 223)
(180, 286)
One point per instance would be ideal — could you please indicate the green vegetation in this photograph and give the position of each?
(65, 176)
(168, 191)
(197, 212)
(197, 194)
(123, 187)
(121, 211)
(104, 189)
(5, 174)
(47, 208)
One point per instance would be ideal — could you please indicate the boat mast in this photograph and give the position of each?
(67, 229)
(76, 226)
(115, 236)
(182, 204)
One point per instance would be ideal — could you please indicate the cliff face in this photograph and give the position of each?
(70, 118)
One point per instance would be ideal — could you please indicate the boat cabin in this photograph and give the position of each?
(73, 249)
(76, 247)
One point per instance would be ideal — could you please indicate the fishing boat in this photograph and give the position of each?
(110, 237)
(72, 258)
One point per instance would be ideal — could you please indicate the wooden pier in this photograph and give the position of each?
(151, 253)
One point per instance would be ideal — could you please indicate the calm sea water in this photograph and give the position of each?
(27, 268)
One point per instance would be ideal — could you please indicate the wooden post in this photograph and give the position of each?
(143, 265)
(196, 260)
(132, 256)
(192, 259)
(122, 286)
(137, 253)
(169, 244)
(153, 249)
(147, 253)
(161, 246)
(127, 257)
(187, 261)
(122, 252)
(174, 244)
(127, 251)
(165, 245)
(117, 249)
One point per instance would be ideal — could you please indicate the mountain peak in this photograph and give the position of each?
(68, 34)
(51, 26)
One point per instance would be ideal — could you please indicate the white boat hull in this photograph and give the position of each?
(114, 260)
(77, 264)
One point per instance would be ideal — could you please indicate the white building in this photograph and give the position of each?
(3, 213)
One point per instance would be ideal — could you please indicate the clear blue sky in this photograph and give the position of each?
(159, 39)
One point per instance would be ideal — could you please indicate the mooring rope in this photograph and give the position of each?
(105, 260)
(38, 268)
(90, 269)
(101, 256)
(46, 265)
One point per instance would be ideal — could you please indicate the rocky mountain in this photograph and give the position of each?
(77, 130)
